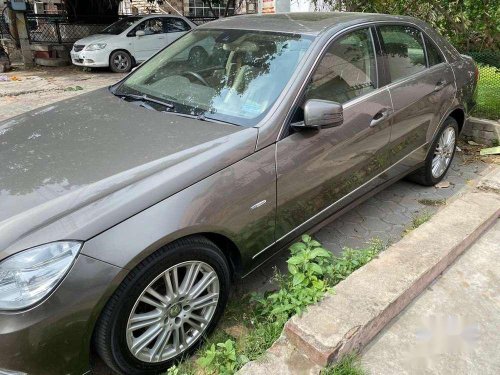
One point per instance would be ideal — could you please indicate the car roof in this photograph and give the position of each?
(156, 15)
(312, 23)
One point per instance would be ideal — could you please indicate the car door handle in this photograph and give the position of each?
(379, 117)
(440, 85)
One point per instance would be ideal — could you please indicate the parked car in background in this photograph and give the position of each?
(129, 41)
(127, 212)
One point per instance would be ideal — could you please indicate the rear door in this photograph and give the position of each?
(175, 28)
(321, 171)
(421, 86)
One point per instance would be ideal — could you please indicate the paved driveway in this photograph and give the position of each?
(39, 87)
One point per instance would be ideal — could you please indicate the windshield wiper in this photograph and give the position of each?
(145, 98)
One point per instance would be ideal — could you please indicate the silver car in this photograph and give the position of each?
(126, 213)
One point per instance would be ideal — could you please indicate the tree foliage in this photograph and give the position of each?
(468, 24)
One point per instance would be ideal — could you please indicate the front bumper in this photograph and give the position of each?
(96, 59)
(54, 337)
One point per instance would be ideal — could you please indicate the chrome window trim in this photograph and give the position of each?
(379, 89)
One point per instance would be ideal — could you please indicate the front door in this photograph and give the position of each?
(321, 171)
(422, 89)
(155, 38)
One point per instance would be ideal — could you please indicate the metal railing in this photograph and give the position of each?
(59, 29)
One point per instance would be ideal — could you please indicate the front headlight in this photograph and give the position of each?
(28, 276)
(95, 46)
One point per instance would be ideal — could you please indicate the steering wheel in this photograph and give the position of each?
(197, 76)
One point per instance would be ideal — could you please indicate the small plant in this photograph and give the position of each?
(309, 267)
(418, 221)
(352, 259)
(221, 358)
(348, 365)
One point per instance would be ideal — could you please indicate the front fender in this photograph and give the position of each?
(238, 202)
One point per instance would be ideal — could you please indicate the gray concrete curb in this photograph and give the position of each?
(482, 131)
(373, 295)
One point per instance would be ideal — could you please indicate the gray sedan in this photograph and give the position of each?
(126, 213)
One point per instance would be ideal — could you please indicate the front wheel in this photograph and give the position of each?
(164, 308)
(441, 154)
(120, 62)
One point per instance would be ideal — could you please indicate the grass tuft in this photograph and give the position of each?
(348, 365)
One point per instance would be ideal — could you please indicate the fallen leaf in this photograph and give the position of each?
(472, 143)
(459, 149)
(443, 184)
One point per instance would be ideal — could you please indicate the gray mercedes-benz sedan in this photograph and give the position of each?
(126, 213)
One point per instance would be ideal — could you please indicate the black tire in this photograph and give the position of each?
(424, 175)
(120, 62)
(110, 332)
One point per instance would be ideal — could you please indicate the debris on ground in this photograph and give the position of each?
(71, 88)
(490, 151)
(459, 149)
(15, 78)
(4, 78)
(472, 143)
(432, 202)
(443, 185)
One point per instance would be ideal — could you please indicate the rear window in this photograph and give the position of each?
(433, 54)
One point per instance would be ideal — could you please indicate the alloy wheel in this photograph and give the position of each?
(443, 152)
(172, 312)
(121, 62)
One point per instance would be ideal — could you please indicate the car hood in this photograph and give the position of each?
(77, 167)
(97, 38)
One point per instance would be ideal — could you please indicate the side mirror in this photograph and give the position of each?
(322, 114)
(140, 33)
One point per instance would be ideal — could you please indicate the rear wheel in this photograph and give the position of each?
(441, 154)
(120, 62)
(164, 308)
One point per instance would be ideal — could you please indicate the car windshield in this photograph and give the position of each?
(233, 76)
(120, 26)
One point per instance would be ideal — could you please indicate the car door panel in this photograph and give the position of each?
(154, 39)
(421, 99)
(320, 171)
(419, 108)
(316, 169)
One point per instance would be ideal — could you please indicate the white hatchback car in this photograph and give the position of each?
(129, 41)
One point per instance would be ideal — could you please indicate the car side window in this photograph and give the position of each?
(150, 26)
(404, 49)
(433, 54)
(176, 25)
(347, 70)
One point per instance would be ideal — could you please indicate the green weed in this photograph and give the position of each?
(418, 221)
(348, 365)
